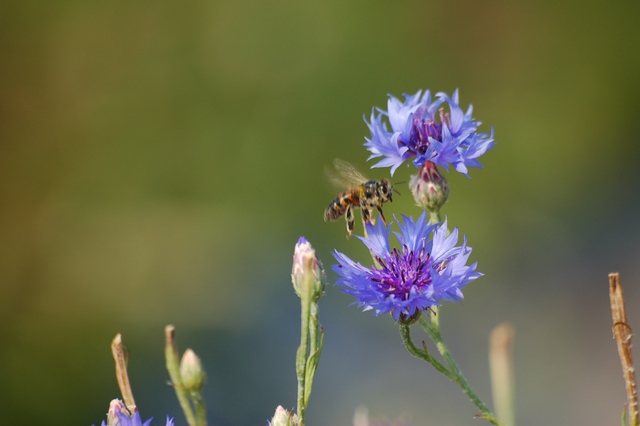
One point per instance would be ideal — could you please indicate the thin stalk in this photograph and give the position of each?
(433, 330)
(502, 376)
(173, 367)
(301, 358)
(405, 332)
(117, 349)
(622, 334)
(316, 338)
(434, 217)
(201, 411)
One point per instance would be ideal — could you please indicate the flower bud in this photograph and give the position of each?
(430, 189)
(191, 372)
(116, 410)
(408, 320)
(307, 273)
(283, 417)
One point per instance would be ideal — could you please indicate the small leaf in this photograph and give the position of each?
(312, 365)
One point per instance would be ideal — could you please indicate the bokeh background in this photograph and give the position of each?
(159, 160)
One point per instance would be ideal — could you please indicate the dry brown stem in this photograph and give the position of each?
(117, 349)
(502, 376)
(622, 334)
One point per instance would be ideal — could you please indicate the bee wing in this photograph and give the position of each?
(344, 175)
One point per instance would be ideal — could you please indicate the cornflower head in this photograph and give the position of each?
(426, 269)
(422, 129)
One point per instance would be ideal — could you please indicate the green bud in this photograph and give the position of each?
(191, 372)
(307, 273)
(409, 320)
(430, 189)
(283, 417)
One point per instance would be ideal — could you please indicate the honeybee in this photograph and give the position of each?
(363, 193)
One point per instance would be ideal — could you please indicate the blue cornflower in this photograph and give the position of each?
(427, 269)
(422, 130)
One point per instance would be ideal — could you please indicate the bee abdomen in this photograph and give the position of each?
(334, 210)
(339, 205)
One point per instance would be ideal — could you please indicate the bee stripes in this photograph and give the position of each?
(339, 205)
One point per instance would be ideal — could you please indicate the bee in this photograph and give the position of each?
(363, 193)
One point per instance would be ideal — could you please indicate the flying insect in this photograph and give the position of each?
(361, 193)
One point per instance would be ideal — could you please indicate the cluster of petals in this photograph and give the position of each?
(426, 269)
(422, 129)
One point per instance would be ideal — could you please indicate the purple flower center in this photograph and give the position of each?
(423, 127)
(400, 272)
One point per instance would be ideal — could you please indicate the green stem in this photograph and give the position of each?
(201, 412)
(173, 367)
(434, 217)
(433, 330)
(301, 358)
(405, 332)
(315, 350)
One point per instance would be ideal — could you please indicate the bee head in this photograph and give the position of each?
(386, 190)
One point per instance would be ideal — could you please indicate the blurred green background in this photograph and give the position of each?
(159, 160)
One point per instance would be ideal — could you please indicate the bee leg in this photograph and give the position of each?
(348, 215)
(381, 215)
(366, 215)
(366, 218)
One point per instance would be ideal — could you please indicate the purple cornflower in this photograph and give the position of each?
(423, 272)
(423, 130)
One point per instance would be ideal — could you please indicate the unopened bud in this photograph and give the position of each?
(430, 189)
(307, 273)
(408, 320)
(191, 372)
(283, 417)
(117, 410)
